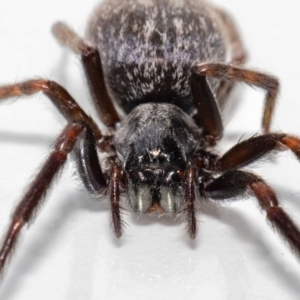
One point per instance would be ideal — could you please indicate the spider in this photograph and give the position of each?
(161, 153)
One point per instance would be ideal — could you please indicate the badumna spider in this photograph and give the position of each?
(131, 226)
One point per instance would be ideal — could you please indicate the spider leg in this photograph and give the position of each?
(88, 165)
(235, 183)
(264, 81)
(190, 190)
(114, 190)
(93, 69)
(208, 114)
(63, 101)
(249, 151)
(32, 199)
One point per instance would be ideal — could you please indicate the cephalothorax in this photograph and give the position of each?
(169, 66)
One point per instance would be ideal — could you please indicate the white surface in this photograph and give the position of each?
(70, 252)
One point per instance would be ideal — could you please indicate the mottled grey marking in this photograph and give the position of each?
(149, 46)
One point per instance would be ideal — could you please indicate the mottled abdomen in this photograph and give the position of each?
(149, 46)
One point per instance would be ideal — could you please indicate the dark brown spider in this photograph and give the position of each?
(155, 166)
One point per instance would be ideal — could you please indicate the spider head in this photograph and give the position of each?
(155, 178)
(154, 143)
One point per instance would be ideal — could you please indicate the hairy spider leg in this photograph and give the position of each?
(93, 68)
(80, 125)
(72, 112)
(190, 196)
(116, 177)
(32, 199)
(88, 166)
(248, 151)
(62, 100)
(236, 183)
(208, 115)
(264, 81)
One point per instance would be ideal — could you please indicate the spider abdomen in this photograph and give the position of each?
(149, 47)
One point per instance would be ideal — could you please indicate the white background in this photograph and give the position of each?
(70, 252)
